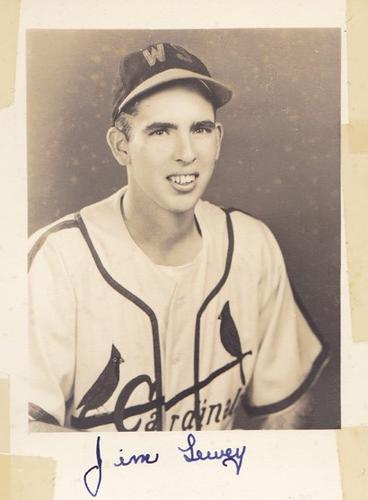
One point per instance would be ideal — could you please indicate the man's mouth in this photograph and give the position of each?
(182, 180)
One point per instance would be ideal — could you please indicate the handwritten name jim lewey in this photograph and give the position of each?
(93, 476)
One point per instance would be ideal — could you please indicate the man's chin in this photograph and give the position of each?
(184, 206)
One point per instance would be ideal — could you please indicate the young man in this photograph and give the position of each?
(152, 309)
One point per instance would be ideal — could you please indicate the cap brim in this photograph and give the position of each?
(221, 92)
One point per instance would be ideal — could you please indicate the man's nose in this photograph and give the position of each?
(185, 152)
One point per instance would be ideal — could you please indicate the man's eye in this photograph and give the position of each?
(159, 131)
(202, 130)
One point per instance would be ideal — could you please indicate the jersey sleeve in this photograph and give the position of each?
(52, 318)
(290, 355)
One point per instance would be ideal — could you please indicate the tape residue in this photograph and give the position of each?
(21, 478)
(352, 445)
(9, 21)
(355, 188)
(357, 42)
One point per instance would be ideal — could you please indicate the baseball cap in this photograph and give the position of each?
(158, 64)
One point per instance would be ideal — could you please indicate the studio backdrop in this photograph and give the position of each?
(280, 154)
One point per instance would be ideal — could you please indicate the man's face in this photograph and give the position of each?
(172, 149)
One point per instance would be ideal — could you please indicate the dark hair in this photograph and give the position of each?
(123, 120)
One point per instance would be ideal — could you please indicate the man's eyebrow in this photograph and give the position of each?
(160, 125)
(204, 124)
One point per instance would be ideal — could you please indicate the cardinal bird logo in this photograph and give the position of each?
(230, 337)
(104, 386)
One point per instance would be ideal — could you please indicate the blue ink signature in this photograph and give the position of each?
(227, 455)
(143, 459)
(134, 459)
(93, 476)
(97, 467)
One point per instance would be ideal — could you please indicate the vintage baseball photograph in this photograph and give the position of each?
(184, 229)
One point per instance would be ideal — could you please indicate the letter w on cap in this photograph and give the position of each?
(157, 53)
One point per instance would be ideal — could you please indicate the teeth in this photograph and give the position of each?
(182, 179)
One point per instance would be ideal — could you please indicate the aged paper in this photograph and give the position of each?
(276, 461)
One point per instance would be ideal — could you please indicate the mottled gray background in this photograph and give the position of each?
(280, 157)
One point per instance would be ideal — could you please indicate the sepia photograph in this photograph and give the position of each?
(184, 228)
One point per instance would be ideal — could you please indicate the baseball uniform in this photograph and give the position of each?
(119, 343)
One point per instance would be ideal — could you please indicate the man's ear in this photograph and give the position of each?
(220, 134)
(119, 145)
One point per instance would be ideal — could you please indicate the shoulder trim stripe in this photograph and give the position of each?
(67, 224)
(230, 210)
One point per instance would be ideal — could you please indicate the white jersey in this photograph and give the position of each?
(98, 314)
